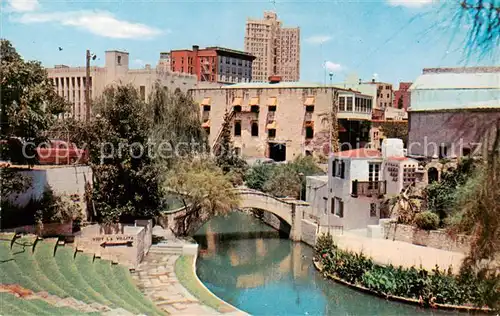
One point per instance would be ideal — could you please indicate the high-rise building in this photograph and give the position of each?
(277, 48)
(213, 64)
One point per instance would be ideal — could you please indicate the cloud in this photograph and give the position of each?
(101, 23)
(410, 3)
(22, 5)
(318, 39)
(333, 67)
(139, 62)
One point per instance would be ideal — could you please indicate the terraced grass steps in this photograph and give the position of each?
(53, 280)
(66, 264)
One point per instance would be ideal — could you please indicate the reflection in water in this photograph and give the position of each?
(247, 264)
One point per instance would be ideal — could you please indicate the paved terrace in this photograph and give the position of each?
(398, 253)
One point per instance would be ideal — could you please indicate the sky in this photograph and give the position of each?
(391, 40)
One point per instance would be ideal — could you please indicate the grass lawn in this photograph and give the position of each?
(187, 277)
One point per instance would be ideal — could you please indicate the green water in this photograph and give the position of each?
(247, 264)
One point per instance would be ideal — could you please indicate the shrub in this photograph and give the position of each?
(427, 220)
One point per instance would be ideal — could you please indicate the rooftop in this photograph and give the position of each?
(362, 153)
(458, 78)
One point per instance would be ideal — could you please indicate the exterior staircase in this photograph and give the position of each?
(167, 247)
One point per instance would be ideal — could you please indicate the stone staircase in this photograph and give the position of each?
(167, 247)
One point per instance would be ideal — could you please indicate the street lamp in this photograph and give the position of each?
(87, 83)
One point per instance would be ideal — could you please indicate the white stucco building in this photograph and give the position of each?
(357, 182)
(69, 82)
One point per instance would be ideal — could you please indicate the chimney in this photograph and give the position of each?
(274, 79)
(196, 47)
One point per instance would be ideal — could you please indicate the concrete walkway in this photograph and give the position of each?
(156, 279)
(399, 253)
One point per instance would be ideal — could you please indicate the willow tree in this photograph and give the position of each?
(204, 190)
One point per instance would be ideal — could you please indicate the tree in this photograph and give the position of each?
(29, 103)
(176, 126)
(225, 155)
(258, 175)
(205, 191)
(395, 129)
(126, 182)
(284, 182)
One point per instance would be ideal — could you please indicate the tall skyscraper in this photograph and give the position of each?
(277, 48)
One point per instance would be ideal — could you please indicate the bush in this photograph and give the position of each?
(427, 220)
(437, 286)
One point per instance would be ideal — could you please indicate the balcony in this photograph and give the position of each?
(368, 188)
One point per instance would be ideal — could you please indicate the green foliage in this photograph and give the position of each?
(427, 220)
(258, 175)
(437, 286)
(442, 196)
(49, 208)
(28, 100)
(205, 191)
(282, 179)
(395, 130)
(12, 182)
(400, 103)
(226, 157)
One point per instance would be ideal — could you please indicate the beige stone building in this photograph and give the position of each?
(69, 82)
(282, 120)
(277, 48)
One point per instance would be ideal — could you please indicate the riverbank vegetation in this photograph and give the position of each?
(283, 179)
(468, 288)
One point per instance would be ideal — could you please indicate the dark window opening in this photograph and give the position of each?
(310, 108)
(255, 129)
(308, 153)
(237, 128)
(271, 133)
(237, 108)
(254, 109)
(206, 108)
(309, 132)
(143, 92)
(119, 60)
(272, 108)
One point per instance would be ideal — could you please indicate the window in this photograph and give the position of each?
(142, 90)
(373, 175)
(349, 104)
(309, 108)
(271, 133)
(373, 210)
(119, 60)
(206, 108)
(337, 207)
(342, 103)
(272, 108)
(237, 151)
(255, 129)
(338, 169)
(237, 128)
(388, 95)
(237, 108)
(254, 109)
(309, 131)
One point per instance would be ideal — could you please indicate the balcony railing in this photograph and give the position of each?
(368, 188)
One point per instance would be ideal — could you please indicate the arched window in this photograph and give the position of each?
(255, 129)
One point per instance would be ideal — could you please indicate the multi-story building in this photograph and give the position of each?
(357, 182)
(451, 111)
(277, 48)
(69, 82)
(401, 99)
(281, 120)
(213, 64)
(381, 93)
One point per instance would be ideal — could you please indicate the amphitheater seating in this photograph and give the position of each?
(58, 282)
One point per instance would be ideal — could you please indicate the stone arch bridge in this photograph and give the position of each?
(289, 210)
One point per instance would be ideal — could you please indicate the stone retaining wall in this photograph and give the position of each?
(49, 229)
(434, 238)
(309, 231)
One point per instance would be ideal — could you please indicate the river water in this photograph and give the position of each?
(247, 264)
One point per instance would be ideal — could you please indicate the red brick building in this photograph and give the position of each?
(404, 94)
(213, 64)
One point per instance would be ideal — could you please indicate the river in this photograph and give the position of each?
(248, 264)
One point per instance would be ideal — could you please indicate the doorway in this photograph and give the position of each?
(277, 151)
